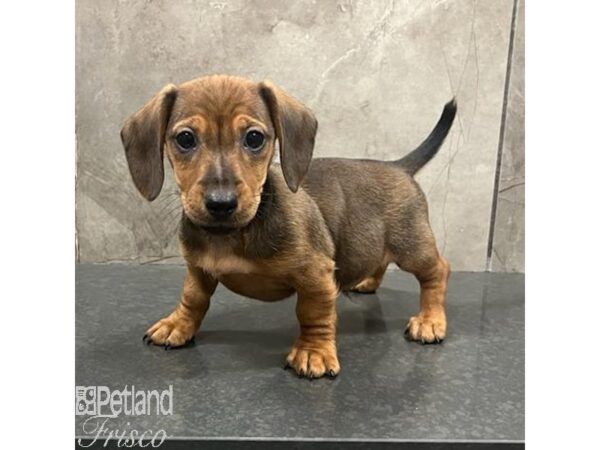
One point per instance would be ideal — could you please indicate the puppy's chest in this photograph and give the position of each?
(220, 263)
(245, 276)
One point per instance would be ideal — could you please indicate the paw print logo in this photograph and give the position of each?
(85, 401)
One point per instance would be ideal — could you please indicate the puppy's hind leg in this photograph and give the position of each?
(432, 271)
(370, 284)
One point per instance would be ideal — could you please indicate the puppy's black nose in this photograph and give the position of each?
(220, 204)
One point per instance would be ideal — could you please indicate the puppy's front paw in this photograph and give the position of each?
(314, 360)
(427, 329)
(172, 331)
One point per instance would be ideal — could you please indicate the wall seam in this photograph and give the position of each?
(492, 226)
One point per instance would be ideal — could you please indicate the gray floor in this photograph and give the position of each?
(230, 384)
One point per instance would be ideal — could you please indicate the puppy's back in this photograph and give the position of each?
(363, 187)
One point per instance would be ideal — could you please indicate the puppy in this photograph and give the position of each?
(268, 231)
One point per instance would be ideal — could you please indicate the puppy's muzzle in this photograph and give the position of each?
(221, 203)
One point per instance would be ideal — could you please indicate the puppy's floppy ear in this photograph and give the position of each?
(295, 128)
(143, 137)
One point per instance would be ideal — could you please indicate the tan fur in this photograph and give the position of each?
(218, 262)
(289, 231)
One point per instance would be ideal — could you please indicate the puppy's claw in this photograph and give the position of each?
(287, 366)
(331, 374)
(144, 338)
(301, 373)
(427, 330)
(171, 333)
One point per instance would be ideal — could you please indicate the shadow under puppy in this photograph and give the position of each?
(266, 230)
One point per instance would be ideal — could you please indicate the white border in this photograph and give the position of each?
(38, 223)
(37, 184)
(563, 228)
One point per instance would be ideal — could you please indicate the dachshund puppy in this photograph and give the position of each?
(268, 231)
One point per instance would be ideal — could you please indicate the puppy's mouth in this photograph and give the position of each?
(219, 229)
(212, 227)
(216, 227)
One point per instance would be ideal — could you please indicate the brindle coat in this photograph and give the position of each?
(307, 227)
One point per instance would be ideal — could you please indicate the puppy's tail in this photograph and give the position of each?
(420, 156)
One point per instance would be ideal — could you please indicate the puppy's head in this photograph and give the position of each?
(219, 136)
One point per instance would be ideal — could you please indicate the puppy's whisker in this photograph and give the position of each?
(168, 209)
(167, 199)
(165, 206)
(169, 214)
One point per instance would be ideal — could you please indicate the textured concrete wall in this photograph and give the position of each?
(376, 73)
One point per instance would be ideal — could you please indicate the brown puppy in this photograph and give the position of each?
(266, 231)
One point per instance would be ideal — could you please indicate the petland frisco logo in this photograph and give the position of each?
(102, 404)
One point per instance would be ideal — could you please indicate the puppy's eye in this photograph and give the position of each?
(254, 140)
(186, 141)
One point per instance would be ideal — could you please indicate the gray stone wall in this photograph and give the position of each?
(376, 73)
